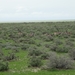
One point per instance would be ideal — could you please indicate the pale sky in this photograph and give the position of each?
(32, 10)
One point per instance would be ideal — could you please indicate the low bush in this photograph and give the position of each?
(72, 53)
(59, 62)
(58, 42)
(3, 66)
(44, 55)
(60, 48)
(31, 41)
(63, 48)
(70, 43)
(53, 47)
(24, 46)
(48, 38)
(35, 61)
(47, 45)
(10, 56)
(1, 54)
(34, 51)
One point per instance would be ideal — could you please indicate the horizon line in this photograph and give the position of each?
(28, 21)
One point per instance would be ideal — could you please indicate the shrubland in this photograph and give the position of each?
(45, 45)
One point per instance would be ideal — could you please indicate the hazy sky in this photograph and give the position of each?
(24, 10)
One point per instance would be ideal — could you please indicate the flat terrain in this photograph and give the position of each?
(17, 40)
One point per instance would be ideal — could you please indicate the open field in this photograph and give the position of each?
(22, 45)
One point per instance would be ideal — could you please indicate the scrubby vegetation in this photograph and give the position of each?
(59, 62)
(39, 46)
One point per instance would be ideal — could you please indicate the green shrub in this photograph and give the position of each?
(72, 53)
(34, 51)
(35, 61)
(59, 62)
(44, 55)
(3, 66)
(38, 44)
(22, 39)
(65, 36)
(63, 48)
(24, 46)
(48, 38)
(60, 48)
(10, 56)
(47, 45)
(31, 41)
(69, 42)
(15, 49)
(58, 42)
(1, 54)
(53, 47)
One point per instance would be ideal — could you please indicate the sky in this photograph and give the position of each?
(36, 10)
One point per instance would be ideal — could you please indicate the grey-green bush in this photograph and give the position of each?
(72, 53)
(44, 55)
(10, 56)
(53, 47)
(63, 48)
(59, 62)
(34, 51)
(35, 61)
(3, 66)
